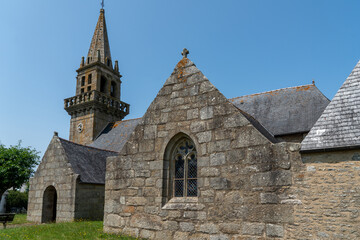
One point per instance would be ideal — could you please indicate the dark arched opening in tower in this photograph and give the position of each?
(113, 89)
(103, 84)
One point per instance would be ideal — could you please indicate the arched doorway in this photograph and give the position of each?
(49, 205)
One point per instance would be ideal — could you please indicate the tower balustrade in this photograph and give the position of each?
(95, 96)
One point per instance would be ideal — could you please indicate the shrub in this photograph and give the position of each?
(16, 199)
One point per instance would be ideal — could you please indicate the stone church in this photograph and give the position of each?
(282, 164)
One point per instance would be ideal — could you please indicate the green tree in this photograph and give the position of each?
(16, 166)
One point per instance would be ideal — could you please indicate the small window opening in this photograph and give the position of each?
(113, 89)
(88, 60)
(89, 88)
(108, 62)
(89, 78)
(102, 84)
(82, 90)
(83, 81)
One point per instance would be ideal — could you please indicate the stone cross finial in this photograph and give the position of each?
(185, 52)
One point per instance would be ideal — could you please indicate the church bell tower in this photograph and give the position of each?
(97, 99)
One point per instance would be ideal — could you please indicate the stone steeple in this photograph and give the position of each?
(97, 98)
(100, 42)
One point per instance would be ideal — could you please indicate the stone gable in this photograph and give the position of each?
(240, 170)
(54, 170)
(75, 173)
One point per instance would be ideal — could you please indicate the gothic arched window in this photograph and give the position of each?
(183, 170)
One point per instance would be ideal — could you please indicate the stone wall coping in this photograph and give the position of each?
(184, 200)
(186, 203)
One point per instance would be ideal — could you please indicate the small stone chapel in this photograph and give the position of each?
(198, 165)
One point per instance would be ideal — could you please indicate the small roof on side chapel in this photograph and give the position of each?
(88, 162)
(339, 125)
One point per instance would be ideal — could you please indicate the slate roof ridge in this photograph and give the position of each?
(62, 139)
(132, 119)
(276, 90)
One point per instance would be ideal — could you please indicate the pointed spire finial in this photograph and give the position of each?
(185, 52)
(116, 66)
(98, 55)
(100, 41)
(82, 62)
(102, 4)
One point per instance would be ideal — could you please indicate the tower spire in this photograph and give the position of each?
(100, 42)
(98, 89)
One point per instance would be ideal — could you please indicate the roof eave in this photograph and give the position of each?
(330, 149)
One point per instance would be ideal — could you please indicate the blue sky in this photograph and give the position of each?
(242, 46)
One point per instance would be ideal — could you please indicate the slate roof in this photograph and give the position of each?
(88, 162)
(115, 135)
(279, 112)
(339, 125)
(285, 111)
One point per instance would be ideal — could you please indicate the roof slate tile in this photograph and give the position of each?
(88, 162)
(285, 111)
(339, 125)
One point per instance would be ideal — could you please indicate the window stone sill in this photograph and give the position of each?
(185, 203)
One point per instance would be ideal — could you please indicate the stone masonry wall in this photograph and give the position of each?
(94, 121)
(86, 136)
(243, 178)
(54, 170)
(329, 196)
(89, 203)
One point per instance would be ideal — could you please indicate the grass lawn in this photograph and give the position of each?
(63, 231)
(19, 219)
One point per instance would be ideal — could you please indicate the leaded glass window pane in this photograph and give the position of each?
(179, 188)
(179, 167)
(192, 188)
(185, 169)
(192, 166)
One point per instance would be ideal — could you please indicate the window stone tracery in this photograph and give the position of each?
(184, 172)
